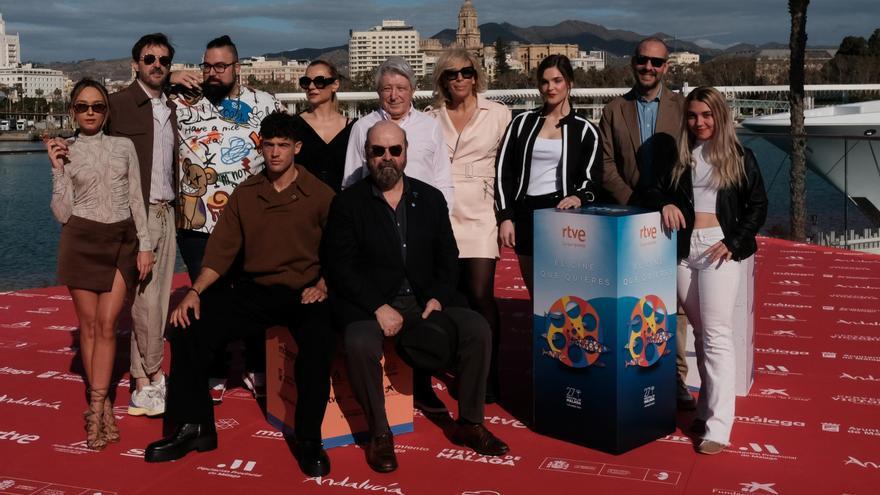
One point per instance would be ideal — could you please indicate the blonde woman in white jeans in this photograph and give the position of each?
(714, 197)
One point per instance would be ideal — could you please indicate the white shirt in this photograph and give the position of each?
(543, 175)
(704, 190)
(426, 156)
(162, 171)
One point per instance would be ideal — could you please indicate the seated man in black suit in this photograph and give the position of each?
(390, 260)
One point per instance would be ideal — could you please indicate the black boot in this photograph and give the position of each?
(186, 438)
(312, 458)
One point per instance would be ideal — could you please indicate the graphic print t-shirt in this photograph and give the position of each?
(219, 149)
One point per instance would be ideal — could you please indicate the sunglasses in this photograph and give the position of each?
(376, 150)
(99, 107)
(151, 59)
(219, 67)
(655, 61)
(466, 72)
(321, 82)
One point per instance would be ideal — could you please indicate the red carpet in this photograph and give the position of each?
(811, 424)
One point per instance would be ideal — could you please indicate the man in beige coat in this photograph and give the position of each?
(640, 137)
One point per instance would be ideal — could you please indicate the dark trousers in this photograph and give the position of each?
(192, 249)
(229, 313)
(363, 350)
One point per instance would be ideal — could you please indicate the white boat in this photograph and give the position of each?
(836, 147)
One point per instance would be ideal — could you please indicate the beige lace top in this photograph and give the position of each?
(101, 183)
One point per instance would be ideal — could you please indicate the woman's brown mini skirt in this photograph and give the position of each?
(90, 252)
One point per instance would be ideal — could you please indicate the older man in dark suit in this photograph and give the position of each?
(142, 113)
(391, 261)
(640, 135)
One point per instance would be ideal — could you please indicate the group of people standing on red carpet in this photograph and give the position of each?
(308, 219)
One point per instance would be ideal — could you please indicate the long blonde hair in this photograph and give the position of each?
(724, 150)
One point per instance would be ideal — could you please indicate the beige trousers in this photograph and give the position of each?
(149, 313)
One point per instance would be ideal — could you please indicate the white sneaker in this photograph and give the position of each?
(256, 383)
(149, 401)
(162, 385)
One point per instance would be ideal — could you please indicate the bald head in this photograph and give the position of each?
(385, 149)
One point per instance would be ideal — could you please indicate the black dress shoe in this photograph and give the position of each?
(479, 439)
(428, 402)
(186, 438)
(380, 453)
(312, 458)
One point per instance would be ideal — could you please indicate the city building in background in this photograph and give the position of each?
(368, 49)
(10, 47)
(683, 59)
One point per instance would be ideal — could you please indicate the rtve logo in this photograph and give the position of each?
(648, 232)
(569, 232)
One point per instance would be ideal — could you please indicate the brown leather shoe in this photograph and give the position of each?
(478, 438)
(380, 453)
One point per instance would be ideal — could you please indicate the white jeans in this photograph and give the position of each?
(707, 292)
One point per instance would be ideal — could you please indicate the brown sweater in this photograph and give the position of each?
(276, 234)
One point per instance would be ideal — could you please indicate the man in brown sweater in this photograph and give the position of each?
(266, 240)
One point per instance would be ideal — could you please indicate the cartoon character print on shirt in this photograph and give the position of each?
(193, 186)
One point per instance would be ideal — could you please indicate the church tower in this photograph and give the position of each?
(468, 34)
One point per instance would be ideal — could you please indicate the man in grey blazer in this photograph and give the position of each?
(640, 137)
(142, 113)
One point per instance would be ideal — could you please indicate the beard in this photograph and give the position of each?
(215, 93)
(386, 174)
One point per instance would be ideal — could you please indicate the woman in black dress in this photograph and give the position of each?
(326, 130)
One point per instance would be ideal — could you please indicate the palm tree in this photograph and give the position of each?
(797, 44)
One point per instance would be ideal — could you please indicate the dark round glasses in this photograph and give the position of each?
(376, 150)
(320, 82)
(151, 59)
(655, 61)
(99, 107)
(466, 72)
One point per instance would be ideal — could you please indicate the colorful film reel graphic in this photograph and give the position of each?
(648, 332)
(573, 332)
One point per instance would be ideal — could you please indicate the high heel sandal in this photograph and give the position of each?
(94, 420)
(109, 430)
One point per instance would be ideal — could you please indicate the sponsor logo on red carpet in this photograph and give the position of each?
(790, 293)
(19, 438)
(855, 286)
(781, 352)
(681, 439)
(498, 420)
(787, 305)
(792, 334)
(471, 456)
(269, 434)
(856, 260)
(755, 487)
(13, 345)
(60, 375)
(20, 324)
(854, 461)
(64, 351)
(401, 448)
(860, 323)
(21, 486)
(6, 370)
(225, 423)
(43, 311)
(855, 296)
(776, 370)
(763, 421)
(636, 473)
(861, 357)
(794, 274)
(27, 401)
(136, 453)
(859, 378)
(61, 328)
(761, 451)
(831, 427)
(856, 399)
(365, 485)
(238, 468)
(779, 394)
(829, 355)
(480, 492)
(859, 430)
(791, 283)
(782, 318)
(76, 448)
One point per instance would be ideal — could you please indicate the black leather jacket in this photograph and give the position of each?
(741, 210)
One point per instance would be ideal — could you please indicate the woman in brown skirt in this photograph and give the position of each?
(105, 244)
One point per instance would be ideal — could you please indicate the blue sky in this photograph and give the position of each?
(55, 30)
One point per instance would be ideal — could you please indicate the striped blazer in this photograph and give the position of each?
(580, 165)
